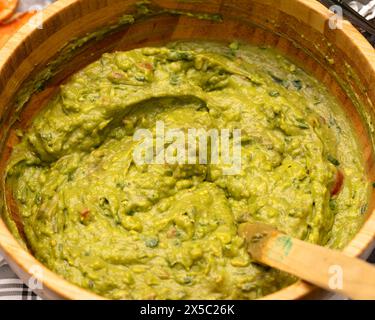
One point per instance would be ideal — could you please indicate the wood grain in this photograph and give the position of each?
(341, 59)
(9, 28)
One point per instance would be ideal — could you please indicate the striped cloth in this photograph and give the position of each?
(372, 257)
(12, 288)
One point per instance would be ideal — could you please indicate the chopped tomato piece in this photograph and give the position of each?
(337, 186)
(147, 66)
(85, 214)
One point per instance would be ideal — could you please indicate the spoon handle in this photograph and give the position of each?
(326, 268)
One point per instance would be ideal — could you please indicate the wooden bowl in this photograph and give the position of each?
(342, 59)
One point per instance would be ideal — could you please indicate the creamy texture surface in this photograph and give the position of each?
(129, 231)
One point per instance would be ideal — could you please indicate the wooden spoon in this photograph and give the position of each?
(7, 8)
(323, 267)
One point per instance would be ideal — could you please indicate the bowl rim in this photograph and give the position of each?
(23, 262)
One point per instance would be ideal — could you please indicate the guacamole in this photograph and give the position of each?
(169, 231)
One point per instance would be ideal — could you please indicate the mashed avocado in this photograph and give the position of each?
(129, 231)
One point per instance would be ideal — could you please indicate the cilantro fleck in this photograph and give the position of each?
(274, 93)
(297, 84)
(152, 242)
(333, 160)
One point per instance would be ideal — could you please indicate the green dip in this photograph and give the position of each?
(128, 231)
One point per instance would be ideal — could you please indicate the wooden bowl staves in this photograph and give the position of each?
(340, 58)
